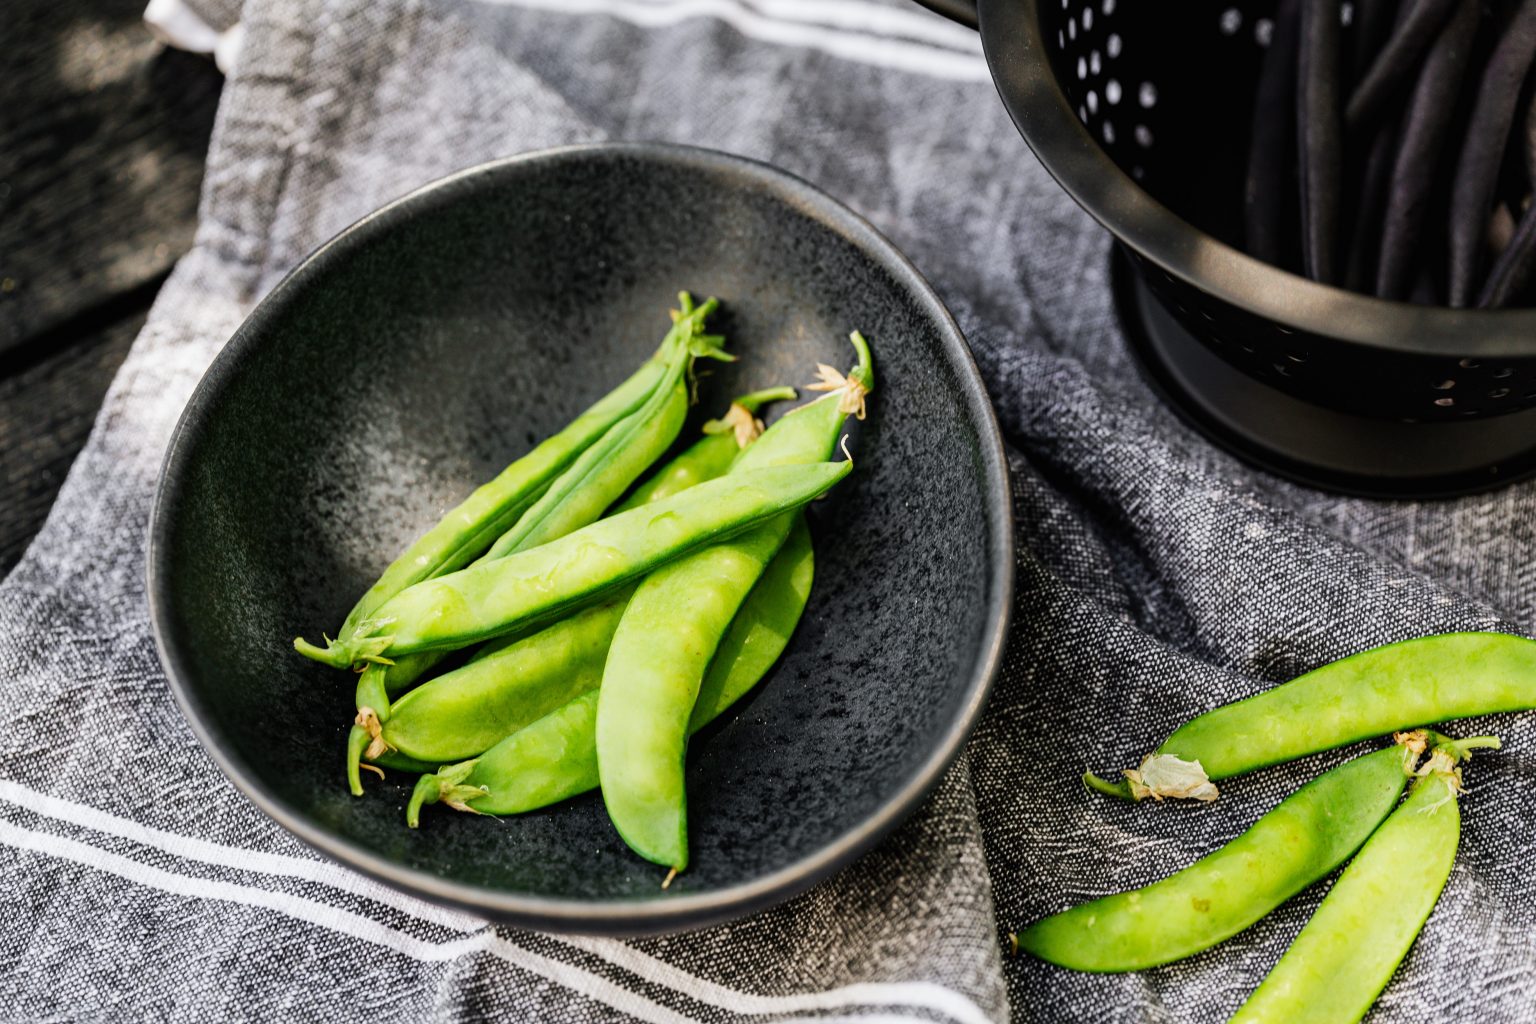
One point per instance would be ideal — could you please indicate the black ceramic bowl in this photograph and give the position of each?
(429, 344)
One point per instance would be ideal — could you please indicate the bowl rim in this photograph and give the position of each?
(1018, 56)
(608, 917)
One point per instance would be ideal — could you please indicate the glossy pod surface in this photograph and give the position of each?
(1374, 693)
(1349, 950)
(657, 662)
(541, 583)
(555, 758)
(1299, 842)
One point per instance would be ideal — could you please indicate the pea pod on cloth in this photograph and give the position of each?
(555, 758)
(673, 625)
(511, 683)
(1376, 692)
(1349, 950)
(1297, 843)
(470, 528)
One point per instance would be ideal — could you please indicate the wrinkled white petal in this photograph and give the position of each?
(1163, 777)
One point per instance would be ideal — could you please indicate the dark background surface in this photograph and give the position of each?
(103, 132)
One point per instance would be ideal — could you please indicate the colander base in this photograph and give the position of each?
(1308, 443)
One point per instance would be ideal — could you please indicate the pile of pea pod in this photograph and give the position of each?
(566, 628)
(1399, 854)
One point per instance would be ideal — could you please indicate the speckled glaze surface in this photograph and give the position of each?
(421, 350)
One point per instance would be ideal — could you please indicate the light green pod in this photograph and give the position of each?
(465, 712)
(664, 643)
(1349, 950)
(1299, 842)
(1374, 693)
(546, 582)
(672, 627)
(555, 758)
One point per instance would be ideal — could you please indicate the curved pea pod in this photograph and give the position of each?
(465, 712)
(1373, 693)
(472, 527)
(1299, 842)
(1349, 950)
(675, 622)
(546, 582)
(663, 646)
(555, 758)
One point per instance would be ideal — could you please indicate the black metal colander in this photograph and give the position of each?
(1141, 110)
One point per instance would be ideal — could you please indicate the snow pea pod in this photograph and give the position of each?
(1297, 843)
(465, 712)
(663, 646)
(555, 758)
(711, 455)
(546, 582)
(1383, 690)
(577, 497)
(675, 622)
(1349, 950)
(470, 528)
(512, 682)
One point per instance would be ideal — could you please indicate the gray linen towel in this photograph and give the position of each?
(1157, 578)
